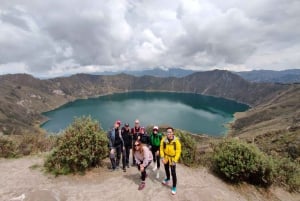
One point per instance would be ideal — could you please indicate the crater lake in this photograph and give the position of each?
(195, 113)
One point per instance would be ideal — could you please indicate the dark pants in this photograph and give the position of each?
(173, 172)
(127, 153)
(143, 174)
(115, 156)
(133, 158)
(156, 158)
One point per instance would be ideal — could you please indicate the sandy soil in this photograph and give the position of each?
(22, 180)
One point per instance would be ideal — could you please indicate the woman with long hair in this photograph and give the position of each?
(143, 158)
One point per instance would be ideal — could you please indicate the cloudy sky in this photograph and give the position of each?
(59, 37)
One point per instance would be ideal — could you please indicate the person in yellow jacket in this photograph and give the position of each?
(170, 150)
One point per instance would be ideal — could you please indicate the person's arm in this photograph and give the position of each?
(161, 148)
(178, 151)
(109, 139)
(146, 156)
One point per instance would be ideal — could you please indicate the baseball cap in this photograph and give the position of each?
(155, 128)
(126, 124)
(118, 122)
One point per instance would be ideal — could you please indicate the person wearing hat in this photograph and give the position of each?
(127, 142)
(155, 138)
(116, 146)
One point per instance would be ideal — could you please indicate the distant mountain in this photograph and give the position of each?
(23, 97)
(158, 72)
(285, 76)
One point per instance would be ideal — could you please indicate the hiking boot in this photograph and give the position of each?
(173, 190)
(157, 175)
(165, 181)
(142, 186)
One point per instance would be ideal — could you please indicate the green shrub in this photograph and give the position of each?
(287, 172)
(82, 145)
(8, 148)
(237, 161)
(188, 147)
(34, 143)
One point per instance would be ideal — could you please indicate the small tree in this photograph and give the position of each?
(82, 145)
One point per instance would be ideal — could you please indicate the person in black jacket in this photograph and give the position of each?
(144, 137)
(134, 133)
(116, 146)
(127, 137)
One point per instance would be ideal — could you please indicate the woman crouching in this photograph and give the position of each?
(143, 158)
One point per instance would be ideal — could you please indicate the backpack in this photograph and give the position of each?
(173, 142)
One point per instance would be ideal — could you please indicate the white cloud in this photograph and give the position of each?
(87, 36)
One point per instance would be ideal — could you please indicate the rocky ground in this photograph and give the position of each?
(23, 180)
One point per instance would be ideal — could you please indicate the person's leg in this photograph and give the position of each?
(112, 158)
(153, 150)
(158, 164)
(127, 155)
(158, 159)
(167, 170)
(123, 158)
(118, 150)
(174, 177)
(153, 154)
(133, 159)
(143, 177)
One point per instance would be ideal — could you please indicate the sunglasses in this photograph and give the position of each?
(137, 145)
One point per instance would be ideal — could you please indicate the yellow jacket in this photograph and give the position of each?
(170, 150)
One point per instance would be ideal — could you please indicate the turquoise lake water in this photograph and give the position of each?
(192, 112)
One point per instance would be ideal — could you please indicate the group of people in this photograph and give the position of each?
(146, 148)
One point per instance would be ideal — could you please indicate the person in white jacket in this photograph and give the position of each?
(143, 158)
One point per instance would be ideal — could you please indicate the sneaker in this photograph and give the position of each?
(127, 165)
(173, 190)
(157, 175)
(165, 181)
(124, 169)
(142, 186)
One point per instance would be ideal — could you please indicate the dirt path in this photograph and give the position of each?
(19, 181)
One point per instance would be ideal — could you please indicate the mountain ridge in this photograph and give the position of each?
(24, 97)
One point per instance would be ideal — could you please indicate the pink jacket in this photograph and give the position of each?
(139, 158)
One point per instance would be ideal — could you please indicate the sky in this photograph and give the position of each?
(63, 37)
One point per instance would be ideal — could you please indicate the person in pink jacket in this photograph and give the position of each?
(143, 158)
